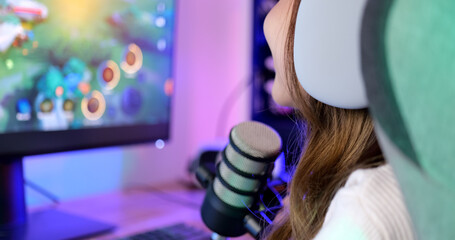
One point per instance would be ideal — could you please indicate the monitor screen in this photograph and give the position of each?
(85, 73)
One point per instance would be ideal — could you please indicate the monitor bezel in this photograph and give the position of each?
(41, 142)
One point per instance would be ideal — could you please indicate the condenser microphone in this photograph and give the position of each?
(242, 171)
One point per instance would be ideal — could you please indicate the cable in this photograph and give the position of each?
(166, 196)
(228, 104)
(42, 191)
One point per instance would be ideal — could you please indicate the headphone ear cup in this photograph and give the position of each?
(327, 52)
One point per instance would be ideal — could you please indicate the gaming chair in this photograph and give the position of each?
(396, 57)
(408, 64)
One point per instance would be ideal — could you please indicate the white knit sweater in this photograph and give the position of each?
(370, 206)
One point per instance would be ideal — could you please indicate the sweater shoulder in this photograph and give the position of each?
(369, 206)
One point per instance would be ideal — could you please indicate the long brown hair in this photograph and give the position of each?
(337, 142)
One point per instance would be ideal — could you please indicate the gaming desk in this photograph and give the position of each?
(141, 208)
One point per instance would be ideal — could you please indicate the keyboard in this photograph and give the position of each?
(180, 231)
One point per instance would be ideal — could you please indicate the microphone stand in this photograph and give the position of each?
(256, 222)
(215, 236)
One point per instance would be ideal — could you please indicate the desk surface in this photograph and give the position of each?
(142, 208)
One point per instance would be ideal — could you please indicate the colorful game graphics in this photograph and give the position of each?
(93, 105)
(74, 69)
(28, 10)
(24, 110)
(108, 74)
(68, 106)
(131, 101)
(46, 106)
(16, 21)
(121, 21)
(132, 59)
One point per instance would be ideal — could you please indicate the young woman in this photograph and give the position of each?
(341, 188)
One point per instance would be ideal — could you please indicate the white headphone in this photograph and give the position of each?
(327, 51)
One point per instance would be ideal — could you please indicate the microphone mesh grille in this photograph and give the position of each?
(230, 197)
(238, 182)
(256, 139)
(244, 164)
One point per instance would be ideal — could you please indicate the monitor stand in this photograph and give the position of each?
(16, 223)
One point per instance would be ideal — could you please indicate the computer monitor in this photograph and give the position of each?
(76, 75)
